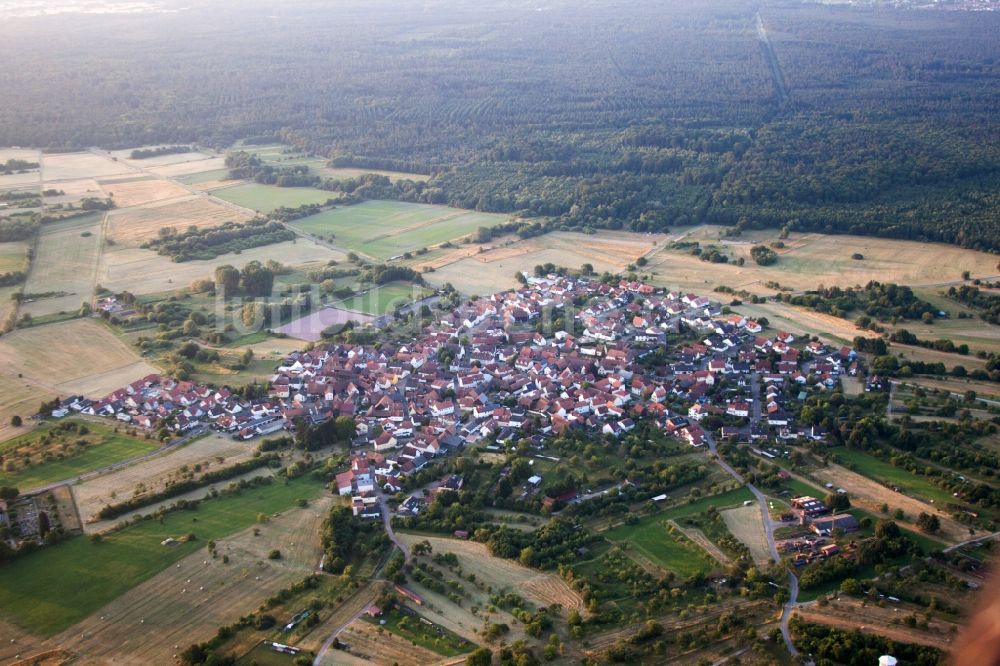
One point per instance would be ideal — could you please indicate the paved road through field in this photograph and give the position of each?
(769, 526)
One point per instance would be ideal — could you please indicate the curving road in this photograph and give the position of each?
(769, 527)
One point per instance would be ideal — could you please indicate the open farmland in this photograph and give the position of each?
(745, 524)
(265, 198)
(341, 173)
(384, 229)
(18, 397)
(64, 264)
(15, 180)
(146, 272)
(135, 226)
(63, 584)
(167, 610)
(70, 166)
(126, 193)
(72, 357)
(870, 495)
(158, 160)
(181, 170)
(808, 260)
(493, 269)
(12, 256)
(53, 452)
(75, 190)
(208, 453)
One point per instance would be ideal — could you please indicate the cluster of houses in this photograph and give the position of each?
(493, 370)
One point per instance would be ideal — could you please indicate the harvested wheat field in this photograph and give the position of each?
(211, 452)
(745, 524)
(189, 601)
(71, 166)
(870, 495)
(158, 160)
(189, 167)
(18, 397)
(543, 589)
(62, 358)
(377, 646)
(801, 321)
(135, 226)
(74, 190)
(141, 191)
(64, 266)
(146, 272)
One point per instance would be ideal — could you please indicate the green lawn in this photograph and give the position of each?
(384, 298)
(650, 537)
(54, 588)
(884, 473)
(265, 198)
(104, 447)
(384, 229)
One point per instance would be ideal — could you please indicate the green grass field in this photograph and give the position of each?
(887, 475)
(265, 198)
(650, 537)
(384, 229)
(104, 447)
(12, 256)
(384, 298)
(204, 176)
(54, 588)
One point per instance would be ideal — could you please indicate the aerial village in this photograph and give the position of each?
(484, 374)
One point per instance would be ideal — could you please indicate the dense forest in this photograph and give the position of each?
(640, 115)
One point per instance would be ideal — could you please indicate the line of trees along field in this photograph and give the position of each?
(639, 117)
